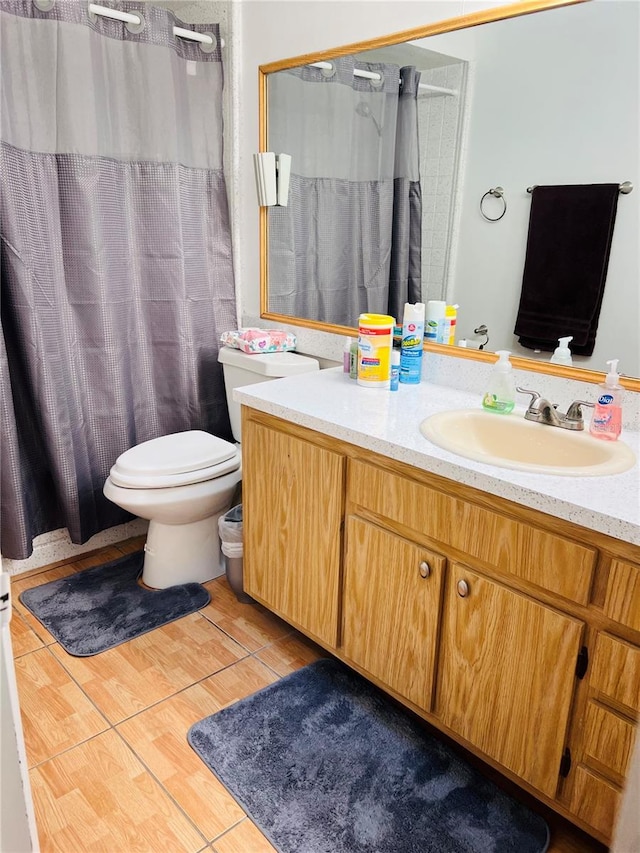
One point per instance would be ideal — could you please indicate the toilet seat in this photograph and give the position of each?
(179, 459)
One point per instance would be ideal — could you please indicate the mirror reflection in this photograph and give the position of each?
(394, 149)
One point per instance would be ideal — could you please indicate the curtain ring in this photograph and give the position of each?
(496, 192)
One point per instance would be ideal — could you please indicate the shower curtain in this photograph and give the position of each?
(349, 240)
(117, 278)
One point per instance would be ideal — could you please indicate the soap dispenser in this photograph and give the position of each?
(501, 391)
(606, 421)
(562, 353)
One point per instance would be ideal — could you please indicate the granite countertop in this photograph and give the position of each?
(388, 423)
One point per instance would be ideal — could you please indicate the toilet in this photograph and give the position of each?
(183, 482)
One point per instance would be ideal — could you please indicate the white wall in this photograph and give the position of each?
(564, 88)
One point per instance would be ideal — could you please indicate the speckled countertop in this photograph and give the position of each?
(388, 423)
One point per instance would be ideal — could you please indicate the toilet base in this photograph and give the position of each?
(182, 553)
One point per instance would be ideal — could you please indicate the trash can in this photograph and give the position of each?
(230, 529)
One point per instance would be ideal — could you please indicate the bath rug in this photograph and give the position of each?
(323, 762)
(99, 608)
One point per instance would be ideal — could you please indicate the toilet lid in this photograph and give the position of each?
(183, 455)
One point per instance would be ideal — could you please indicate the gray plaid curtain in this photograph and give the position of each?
(349, 240)
(117, 277)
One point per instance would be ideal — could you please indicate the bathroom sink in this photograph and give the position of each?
(509, 441)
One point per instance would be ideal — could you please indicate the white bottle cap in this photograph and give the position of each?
(612, 377)
(503, 365)
(562, 353)
(436, 309)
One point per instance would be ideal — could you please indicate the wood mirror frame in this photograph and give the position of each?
(486, 16)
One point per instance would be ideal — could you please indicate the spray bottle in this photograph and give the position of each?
(411, 345)
(606, 421)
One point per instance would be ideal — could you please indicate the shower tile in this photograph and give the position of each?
(242, 838)
(159, 737)
(444, 186)
(431, 167)
(249, 624)
(23, 638)
(56, 714)
(99, 796)
(291, 653)
(137, 674)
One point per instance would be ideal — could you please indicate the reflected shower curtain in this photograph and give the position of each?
(117, 277)
(354, 144)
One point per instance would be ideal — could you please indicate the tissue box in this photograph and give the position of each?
(254, 341)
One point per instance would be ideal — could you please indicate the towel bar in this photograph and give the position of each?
(625, 188)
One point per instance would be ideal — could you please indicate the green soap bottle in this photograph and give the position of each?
(500, 396)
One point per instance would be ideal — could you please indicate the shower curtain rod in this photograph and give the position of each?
(373, 75)
(136, 20)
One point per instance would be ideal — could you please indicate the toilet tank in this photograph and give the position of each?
(242, 369)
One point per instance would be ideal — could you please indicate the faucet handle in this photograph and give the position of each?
(534, 395)
(574, 412)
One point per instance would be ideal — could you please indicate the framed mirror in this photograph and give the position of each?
(535, 94)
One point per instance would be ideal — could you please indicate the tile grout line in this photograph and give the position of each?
(161, 785)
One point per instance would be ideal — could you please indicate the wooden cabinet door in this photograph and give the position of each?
(507, 675)
(391, 605)
(293, 507)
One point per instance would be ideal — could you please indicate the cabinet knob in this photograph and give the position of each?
(463, 589)
(425, 569)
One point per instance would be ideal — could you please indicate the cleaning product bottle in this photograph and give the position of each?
(346, 356)
(451, 315)
(562, 353)
(501, 391)
(435, 314)
(411, 345)
(395, 369)
(606, 421)
(353, 361)
(375, 341)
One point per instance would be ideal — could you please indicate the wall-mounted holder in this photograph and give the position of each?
(272, 178)
(496, 192)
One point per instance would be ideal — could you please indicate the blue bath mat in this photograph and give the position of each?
(96, 609)
(323, 762)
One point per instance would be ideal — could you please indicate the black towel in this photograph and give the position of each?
(568, 247)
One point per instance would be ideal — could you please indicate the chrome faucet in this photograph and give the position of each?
(541, 411)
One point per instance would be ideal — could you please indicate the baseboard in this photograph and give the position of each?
(55, 546)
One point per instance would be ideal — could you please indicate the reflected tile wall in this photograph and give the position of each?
(439, 123)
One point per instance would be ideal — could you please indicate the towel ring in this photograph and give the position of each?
(496, 192)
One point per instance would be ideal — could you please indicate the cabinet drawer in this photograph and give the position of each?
(616, 671)
(622, 602)
(608, 739)
(542, 558)
(594, 800)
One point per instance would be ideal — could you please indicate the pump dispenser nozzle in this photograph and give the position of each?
(612, 377)
(562, 353)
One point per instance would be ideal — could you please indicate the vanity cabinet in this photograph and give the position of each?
(391, 609)
(507, 675)
(513, 632)
(292, 511)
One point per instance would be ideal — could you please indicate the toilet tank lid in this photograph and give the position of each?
(178, 453)
(274, 364)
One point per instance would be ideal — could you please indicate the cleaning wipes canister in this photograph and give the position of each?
(375, 341)
(412, 340)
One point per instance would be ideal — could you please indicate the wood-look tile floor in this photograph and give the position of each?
(110, 766)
